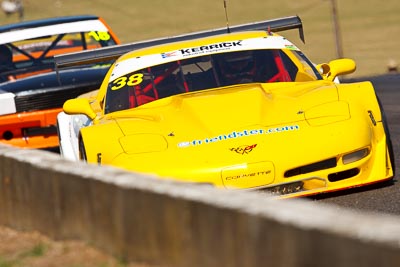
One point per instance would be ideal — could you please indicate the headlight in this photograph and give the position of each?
(354, 156)
(143, 143)
(7, 103)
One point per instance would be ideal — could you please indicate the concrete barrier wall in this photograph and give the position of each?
(141, 218)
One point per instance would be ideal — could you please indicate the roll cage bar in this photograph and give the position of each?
(197, 74)
(42, 61)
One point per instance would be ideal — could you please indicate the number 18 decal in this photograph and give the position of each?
(100, 36)
(132, 80)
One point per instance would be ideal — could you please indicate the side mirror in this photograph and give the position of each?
(336, 68)
(79, 106)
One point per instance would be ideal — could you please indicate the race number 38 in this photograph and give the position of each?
(132, 80)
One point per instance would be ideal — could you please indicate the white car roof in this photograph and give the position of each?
(70, 27)
(129, 65)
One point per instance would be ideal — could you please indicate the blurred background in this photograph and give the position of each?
(367, 31)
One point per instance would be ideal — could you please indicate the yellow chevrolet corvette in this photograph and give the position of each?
(241, 109)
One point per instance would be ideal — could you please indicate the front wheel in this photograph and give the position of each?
(82, 150)
(388, 139)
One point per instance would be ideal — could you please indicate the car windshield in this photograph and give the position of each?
(33, 56)
(206, 72)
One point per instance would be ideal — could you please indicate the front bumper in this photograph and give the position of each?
(36, 129)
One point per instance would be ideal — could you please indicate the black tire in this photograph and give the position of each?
(82, 150)
(388, 139)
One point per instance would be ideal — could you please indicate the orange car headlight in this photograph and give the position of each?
(7, 103)
(143, 143)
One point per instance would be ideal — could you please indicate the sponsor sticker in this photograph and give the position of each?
(243, 149)
(210, 48)
(168, 54)
(238, 134)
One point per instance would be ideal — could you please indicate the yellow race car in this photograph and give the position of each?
(243, 109)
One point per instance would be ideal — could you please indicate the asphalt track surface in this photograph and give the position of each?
(382, 197)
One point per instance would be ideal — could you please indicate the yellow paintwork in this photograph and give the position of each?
(247, 136)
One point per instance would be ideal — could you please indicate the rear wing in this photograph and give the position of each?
(111, 53)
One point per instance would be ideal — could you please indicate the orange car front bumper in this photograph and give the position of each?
(35, 129)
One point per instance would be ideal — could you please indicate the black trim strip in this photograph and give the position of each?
(316, 166)
(36, 131)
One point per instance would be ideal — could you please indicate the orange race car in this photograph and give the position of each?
(32, 90)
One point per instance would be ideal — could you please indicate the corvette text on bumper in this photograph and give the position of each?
(247, 175)
(238, 134)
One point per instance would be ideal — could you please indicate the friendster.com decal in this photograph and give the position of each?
(238, 134)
